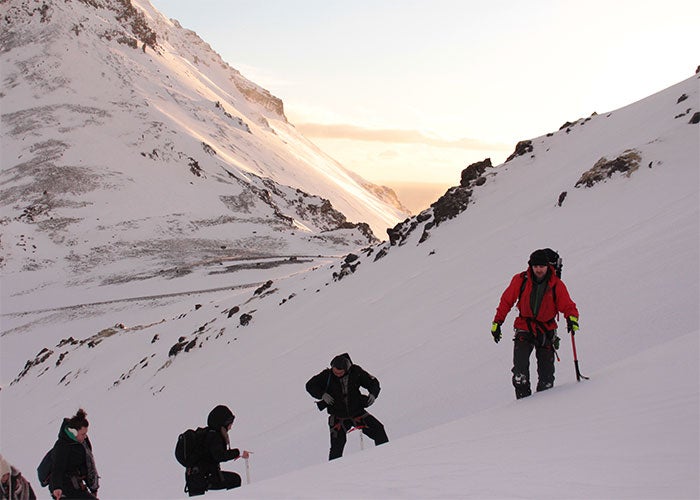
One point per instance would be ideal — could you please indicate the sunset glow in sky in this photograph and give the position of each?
(414, 91)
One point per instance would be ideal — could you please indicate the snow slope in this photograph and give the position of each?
(125, 137)
(418, 318)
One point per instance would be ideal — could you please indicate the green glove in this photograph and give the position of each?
(572, 324)
(496, 331)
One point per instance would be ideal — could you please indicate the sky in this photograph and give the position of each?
(419, 320)
(414, 91)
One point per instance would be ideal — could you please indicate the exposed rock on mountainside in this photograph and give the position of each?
(121, 163)
(449, 205)
(626, 164)
(521, 148)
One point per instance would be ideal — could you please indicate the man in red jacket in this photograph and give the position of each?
(540, 296)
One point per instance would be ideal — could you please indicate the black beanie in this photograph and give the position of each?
(538, 258)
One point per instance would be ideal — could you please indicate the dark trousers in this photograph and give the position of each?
(197, 483)
(370, 426)
(524, 343)
(224, 480)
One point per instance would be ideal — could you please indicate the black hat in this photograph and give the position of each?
(341, 361)
(538, 258)
(220, 416)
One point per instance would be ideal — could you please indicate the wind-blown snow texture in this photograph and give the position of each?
(418, 319)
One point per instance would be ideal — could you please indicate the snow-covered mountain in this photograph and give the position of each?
(125, 137)
(416, 313)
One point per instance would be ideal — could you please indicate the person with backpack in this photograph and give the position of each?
(205, 473)
(13, 486)
(540, 295)
(338, 390)
(73, 470)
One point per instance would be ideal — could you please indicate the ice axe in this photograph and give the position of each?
(578, 372)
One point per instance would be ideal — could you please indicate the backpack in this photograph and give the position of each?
(44, 469)
(554, 260)
(190, 449)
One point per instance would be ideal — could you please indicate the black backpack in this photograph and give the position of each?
(44, 469)
(554, 260)
(190, 449)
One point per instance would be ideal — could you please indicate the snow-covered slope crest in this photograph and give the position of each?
(580, 155)
(126, 136)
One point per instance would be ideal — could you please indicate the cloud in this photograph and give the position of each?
(399, 136)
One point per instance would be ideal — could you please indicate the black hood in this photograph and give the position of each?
(219, 417)
(341, 362)
(61, 430)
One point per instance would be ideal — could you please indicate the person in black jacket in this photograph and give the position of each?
(338, 389)
(207, 474)
(73, 473)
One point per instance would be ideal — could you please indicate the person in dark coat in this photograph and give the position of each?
(73, 473)
(338, 390)
(13, 486)
(207, 474)
(540, 295)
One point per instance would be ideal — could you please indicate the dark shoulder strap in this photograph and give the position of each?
(523, 277)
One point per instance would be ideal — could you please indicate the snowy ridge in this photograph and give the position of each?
(418, 319)
(143, 146)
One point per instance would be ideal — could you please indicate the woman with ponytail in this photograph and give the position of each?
(73, 474)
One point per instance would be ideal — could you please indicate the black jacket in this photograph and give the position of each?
(215, 442)
(69, 460)
(350, 404)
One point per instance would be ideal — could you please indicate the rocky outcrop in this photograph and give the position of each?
(260, 96)
(448, 206)
(521, 148)
(347, 267)
(627, 163)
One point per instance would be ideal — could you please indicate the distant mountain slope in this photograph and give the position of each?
(125, 136)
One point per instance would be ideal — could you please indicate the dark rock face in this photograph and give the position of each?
(263, 287)
(452, 203)
(474, 172)
(603, 169)
(348, 266)
(695, 118)
(562, 197)
(521, 148)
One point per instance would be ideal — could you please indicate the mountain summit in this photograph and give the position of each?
(126, 138)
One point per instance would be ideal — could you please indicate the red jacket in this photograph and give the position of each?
(546, 316)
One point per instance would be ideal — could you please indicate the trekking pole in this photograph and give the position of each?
(578, 372)
(247, 471)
